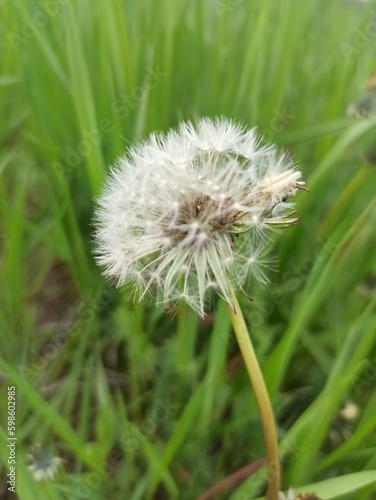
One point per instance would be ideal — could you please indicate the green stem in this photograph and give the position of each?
(262, 399)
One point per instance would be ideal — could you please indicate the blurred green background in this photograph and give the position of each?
(118, 401)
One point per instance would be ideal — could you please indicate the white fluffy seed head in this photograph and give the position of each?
(188, 211)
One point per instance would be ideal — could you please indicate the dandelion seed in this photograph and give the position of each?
(192, 210)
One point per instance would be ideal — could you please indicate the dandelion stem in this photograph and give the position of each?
(262, 399)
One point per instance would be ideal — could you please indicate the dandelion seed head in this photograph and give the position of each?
(191, 210)
(42, 463)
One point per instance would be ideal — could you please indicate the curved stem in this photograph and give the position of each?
(262, 399)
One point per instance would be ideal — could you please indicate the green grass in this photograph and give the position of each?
(135, 401)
